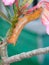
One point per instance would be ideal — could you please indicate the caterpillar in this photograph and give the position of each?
(21, 23)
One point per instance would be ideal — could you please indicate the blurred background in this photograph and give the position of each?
(33, 36)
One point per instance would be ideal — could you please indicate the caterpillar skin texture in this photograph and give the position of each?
(21, 23)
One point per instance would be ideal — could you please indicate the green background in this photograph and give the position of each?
(27, 41)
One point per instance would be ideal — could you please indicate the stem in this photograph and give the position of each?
(3, 50)
(24, 55)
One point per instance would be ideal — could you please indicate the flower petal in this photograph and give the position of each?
(47, 29)
(8, 2)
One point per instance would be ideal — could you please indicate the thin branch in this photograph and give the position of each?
(3, 51)
(23, 55)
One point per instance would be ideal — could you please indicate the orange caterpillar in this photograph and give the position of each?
(21, 23)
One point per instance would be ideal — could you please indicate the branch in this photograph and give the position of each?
(3, 51)
(23, 55)
(21, 23)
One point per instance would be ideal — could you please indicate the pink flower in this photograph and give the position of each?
(45, 18)
(47, 29)
(8, 2)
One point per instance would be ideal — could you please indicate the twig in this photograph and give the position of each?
(23, 55)
(3, 51)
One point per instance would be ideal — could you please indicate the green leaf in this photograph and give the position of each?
(15, 9)
(4, 16)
